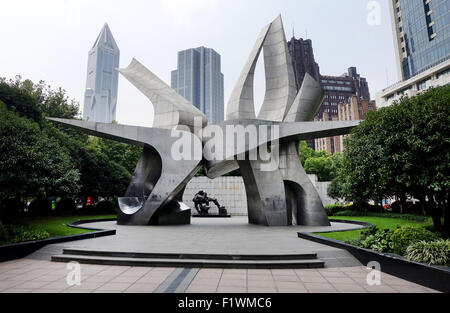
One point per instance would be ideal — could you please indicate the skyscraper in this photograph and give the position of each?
(421, 31)
(199, 79)
(303, 60)
(342, 90)
(100, 97)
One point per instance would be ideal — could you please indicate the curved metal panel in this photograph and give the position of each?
(171, 109)
(280, 79)
(307, 102)
(241, 104)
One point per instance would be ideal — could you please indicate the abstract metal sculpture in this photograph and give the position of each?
(281, 196)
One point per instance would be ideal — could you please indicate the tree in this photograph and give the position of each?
(32, 164)
(320, 163)
(307, 153)
(19, 100)
(401, 151)
(34, 100)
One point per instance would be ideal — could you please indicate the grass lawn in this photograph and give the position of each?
(380, 222)
(57, 225)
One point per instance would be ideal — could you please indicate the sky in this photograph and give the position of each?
(49, 40)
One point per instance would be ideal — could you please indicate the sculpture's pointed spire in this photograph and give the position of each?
(106, 38)
(280, 78)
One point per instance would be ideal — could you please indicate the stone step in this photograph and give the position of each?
(223, 257)
(190, 263)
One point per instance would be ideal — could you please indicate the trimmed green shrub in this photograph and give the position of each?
(432, 253)
(408, 217)
(374, 239)
(333, 209)
(22, 233)
(381, 241)
(405, 236)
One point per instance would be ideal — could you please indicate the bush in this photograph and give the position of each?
(405, 236)
(374, 239)
(22, 233)
(334, 209)
(408, 217)
(381, 241)
(432, 253)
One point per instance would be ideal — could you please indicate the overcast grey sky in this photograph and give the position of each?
(50, 39)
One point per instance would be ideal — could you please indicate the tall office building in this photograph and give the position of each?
(199, 79)
(100, 98)
(349, 88)
(337, 88)
(421, 31)
(303, 60)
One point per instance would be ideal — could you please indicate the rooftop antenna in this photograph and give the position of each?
(306, 33)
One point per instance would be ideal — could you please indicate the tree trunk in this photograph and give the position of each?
(436, 213)
(446, 209)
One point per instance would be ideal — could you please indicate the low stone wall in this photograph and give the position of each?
(230, 192)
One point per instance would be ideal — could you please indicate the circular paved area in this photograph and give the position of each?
(210, 236)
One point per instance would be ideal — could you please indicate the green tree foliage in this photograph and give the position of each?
(35, 100)
(40, 158)
(32, 163)
(401, 151)
(100, 175)
(307, 153)
(19, 100)
(320, 163)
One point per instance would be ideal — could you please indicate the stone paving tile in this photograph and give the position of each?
(340, 280)
(99, 279)
(313, 279)
(380, 289)
(119, 287)
(141, 288)
(290, 285)
(234, 289)
(292, 278)
(308, 273)
(87, 286)
(283, 272)
(47, 291)
(204, 281)
(17, 291)
(262, 290)
(9, 284)
(349, 287)
(60, 285)
(49, 278)
(292, 290)
(261, 284)
(232, 283)
(30, 285)
(200, 289)
(319, 286)
(125, 279)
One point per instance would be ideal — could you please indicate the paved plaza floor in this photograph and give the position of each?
(342, 272)
(36, 276)
(210, 236)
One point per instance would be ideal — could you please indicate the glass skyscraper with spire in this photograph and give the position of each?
(100, 97)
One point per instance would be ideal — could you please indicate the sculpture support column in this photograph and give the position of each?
(266, 199)
(303, 197)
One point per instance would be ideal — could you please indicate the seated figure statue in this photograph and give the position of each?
(201, 202)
